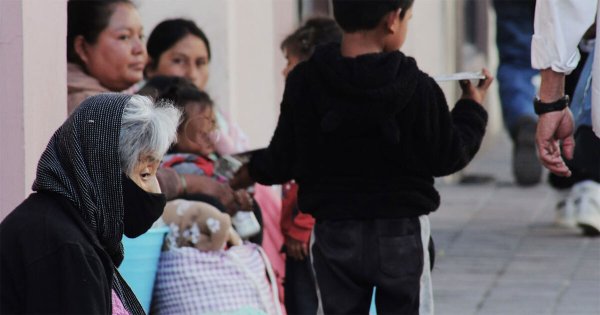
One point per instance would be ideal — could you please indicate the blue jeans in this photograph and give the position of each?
(581, 104)
(514, 24)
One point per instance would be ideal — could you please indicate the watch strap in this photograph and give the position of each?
(558, 105)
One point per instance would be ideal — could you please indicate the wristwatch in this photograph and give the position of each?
(558, 105)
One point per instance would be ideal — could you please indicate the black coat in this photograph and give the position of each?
(364, 137)
(50, 262)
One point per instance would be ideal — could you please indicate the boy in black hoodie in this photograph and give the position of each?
(364, 132)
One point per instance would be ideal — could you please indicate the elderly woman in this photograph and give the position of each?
(95, 182)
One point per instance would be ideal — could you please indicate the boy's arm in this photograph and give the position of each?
(450, 139)
(273, 165)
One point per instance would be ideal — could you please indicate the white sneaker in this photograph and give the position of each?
(565, 209)
(587, 206)
(565, 214)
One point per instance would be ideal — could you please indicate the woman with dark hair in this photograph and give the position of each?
(105, 49)
(178, 47)
(96, 181)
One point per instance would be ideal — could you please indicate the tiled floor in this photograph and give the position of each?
(498, 251)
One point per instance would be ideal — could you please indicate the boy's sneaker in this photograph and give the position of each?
(526, 166)
(588, 207)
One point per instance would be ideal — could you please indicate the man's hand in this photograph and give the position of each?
(296, 249)
(552, 129)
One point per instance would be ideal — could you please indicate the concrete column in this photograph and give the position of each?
(432, 39)
(33, 89)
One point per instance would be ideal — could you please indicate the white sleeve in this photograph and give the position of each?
(559, 26)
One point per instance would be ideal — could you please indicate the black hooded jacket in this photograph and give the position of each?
(60, 249)
(364, 137)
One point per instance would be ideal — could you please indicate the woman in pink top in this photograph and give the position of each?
(105, 48)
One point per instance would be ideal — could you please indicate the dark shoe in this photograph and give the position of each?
(526, 166)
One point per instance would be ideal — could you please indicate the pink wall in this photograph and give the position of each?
(12, 148)
(45, 69)
(32, 88)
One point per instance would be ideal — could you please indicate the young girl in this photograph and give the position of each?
(194, 152)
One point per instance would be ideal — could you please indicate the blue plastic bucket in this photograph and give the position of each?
(141, 261)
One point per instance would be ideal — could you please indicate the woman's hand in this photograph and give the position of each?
(199, 184)
(476, 93)
(243, 200)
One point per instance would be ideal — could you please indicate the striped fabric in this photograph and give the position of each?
(81, 163)
(190, 281)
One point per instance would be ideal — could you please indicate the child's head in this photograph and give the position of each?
(300, 45)
(390, 16)
(197, 128)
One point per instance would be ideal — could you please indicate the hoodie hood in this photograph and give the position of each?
(374, 88)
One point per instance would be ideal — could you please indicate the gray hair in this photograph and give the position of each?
(146, 129)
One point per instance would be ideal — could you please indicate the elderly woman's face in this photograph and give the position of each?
(188, 58)
(118, 57)
(144, 174)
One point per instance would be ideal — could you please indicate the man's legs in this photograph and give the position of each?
(514, 27)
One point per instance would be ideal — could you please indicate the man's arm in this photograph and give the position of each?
(554, 127)
(559, 26)
(273, 165)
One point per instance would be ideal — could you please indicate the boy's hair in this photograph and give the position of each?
(315, 31)
(178, 90)
(364, 15)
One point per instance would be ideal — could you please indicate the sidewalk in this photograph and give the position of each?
(498, 251)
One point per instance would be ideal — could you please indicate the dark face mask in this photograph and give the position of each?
(141, 208)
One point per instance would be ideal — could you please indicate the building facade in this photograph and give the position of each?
(245, 74)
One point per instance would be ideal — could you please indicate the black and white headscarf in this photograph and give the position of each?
(81, 163)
